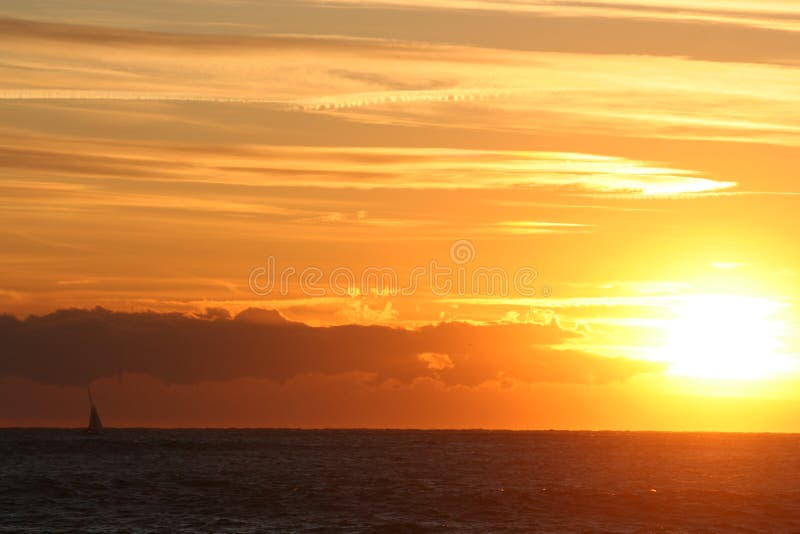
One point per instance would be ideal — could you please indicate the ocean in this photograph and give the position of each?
(141, 480)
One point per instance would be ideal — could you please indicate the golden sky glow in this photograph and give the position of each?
(639, 158)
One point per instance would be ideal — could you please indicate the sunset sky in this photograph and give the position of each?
(637, 161)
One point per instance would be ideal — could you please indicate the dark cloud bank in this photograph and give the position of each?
(74, 347)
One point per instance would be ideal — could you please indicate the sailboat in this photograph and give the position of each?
(95, 425)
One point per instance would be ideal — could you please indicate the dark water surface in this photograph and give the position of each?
(397, 481)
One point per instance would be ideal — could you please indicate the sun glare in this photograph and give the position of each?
(726, 337)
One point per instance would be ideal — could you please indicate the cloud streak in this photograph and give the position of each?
(405, 82)
(356, 168)
(772, 15)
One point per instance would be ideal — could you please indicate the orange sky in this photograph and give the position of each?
(635, 162)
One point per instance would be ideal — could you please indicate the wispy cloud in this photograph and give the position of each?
(339, 168)
(539, 227)
(771, 14)
(387, 81)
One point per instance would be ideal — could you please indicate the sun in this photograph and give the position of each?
(725, 337)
